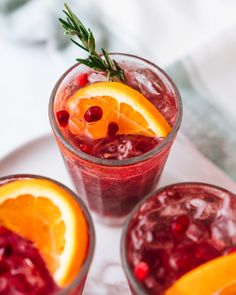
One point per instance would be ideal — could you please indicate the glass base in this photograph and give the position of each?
(108, 220)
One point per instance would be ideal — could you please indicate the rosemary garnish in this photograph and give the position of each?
(74, 27)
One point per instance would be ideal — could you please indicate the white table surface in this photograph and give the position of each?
(26, 78)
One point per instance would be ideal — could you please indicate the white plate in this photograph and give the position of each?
(41, 156)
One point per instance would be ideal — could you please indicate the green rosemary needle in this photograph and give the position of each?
(74, 27)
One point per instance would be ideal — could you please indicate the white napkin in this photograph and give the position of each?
(206, 79)
(164, 31)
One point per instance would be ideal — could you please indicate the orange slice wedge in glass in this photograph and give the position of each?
(46, 214)
(216, 277)
(121, 104)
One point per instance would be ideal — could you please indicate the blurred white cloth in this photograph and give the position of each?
(212, 69)
(162, 31)
(166, 30)
(206, 79)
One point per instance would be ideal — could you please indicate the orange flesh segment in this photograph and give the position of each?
(229, 290)
(216, 277)
(47, 215)
(120, 103)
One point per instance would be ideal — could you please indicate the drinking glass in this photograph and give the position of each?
(111, 188)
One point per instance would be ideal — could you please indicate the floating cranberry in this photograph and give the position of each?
(141, 271)
(179, 226)
(93, 114)
(81, 80)
(112, 129)
(86, 148)
(63, 118)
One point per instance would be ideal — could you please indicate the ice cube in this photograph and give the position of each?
(145, 81)
(224, 229)
(173, 210)
(201, 208)
(96, 77)
(197, 232)
(124, 148)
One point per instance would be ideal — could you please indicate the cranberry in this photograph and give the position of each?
(81, 80)
(112, 129)
(141, 271)
(179, 226)
(86, 148)
(63, 118)
(93, 114)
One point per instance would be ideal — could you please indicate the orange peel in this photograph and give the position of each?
(46, 214)
(131, 110)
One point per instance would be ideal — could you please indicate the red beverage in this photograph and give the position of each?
(46, 238)
(175, 230)
(113, 172)
(22, 270)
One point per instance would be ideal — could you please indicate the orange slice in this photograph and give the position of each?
(216, 277)
(46, 214)
(120, 103)
(229, 290)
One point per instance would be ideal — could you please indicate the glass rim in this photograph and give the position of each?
(79, 279)
(137, 287)
(109, 162)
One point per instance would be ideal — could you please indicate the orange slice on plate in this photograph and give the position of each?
(46, 214)
(133, 113)
(216, 277)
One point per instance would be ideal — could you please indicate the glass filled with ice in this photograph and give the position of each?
(47, 237)
(182, 240)
(115, 137)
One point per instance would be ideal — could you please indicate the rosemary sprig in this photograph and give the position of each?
(74, 27)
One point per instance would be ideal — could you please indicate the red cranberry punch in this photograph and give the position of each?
(115, 117)
(181, 240)
(47, 238)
